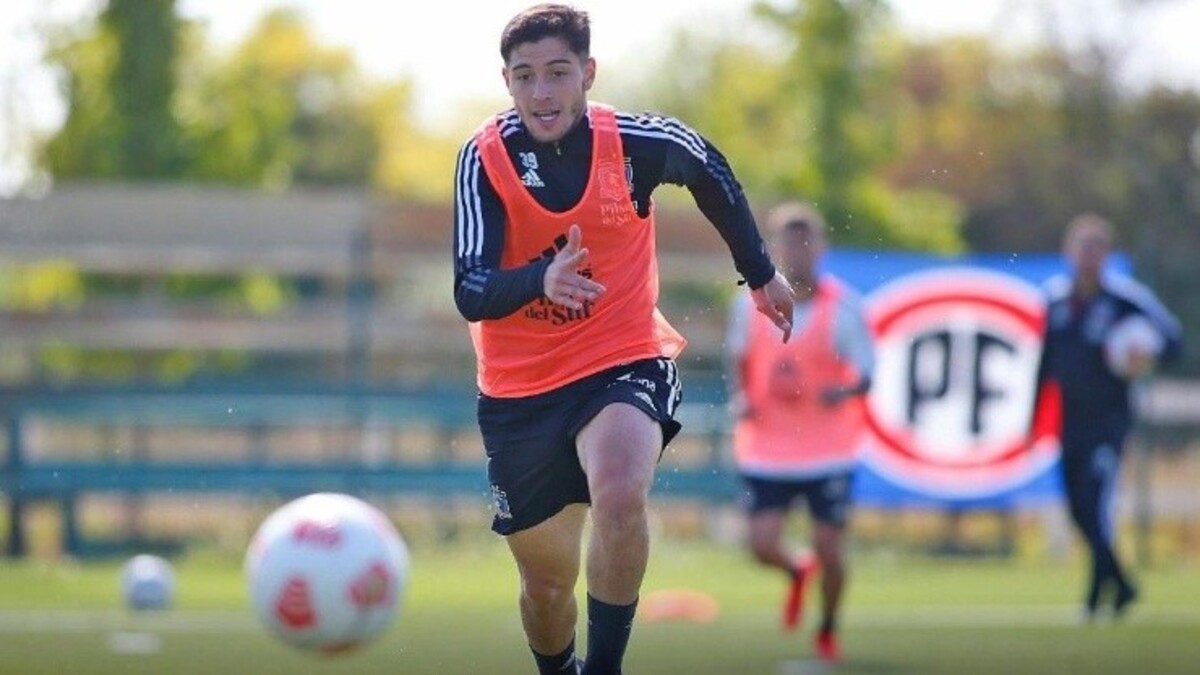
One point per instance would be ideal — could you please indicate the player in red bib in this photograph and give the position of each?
(555, 269)
(800, 416)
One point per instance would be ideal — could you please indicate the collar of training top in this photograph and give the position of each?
(577, 140)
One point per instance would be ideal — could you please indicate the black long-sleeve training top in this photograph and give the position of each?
(1073, 352)
(658, 150)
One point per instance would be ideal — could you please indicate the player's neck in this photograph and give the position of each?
(1086, 286)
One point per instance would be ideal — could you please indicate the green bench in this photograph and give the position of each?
(240, 438)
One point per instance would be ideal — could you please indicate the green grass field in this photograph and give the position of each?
(903, 615)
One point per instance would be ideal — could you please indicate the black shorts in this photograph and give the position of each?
(533, 465)
(828, 497)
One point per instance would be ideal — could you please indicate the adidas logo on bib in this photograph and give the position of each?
(531, 179)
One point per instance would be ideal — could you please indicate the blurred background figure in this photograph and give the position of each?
(799, 413)
(1086, 309)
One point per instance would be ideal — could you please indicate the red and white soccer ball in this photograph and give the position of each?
(326, 572)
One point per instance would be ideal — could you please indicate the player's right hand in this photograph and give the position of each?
(777, 301)
(562, 283)
(1140, 362)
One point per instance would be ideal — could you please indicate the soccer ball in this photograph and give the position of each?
(1130, 335)
(326, 572)
(147, 582)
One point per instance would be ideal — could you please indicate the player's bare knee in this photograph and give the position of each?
(617, 506)
(547, 591)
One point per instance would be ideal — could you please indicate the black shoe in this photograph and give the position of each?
(1091, 604)
(1126, 596)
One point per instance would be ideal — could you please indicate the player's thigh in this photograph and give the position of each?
(620, 444)
(549, 552)
(828, 541)
(628, 418)
(765, 528)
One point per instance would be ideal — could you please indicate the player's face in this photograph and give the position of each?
(1087, 249)
(799, 250)
(549, 85)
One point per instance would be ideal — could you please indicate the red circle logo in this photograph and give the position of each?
(954, 391)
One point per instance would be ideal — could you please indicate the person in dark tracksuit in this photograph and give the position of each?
(1082, 308)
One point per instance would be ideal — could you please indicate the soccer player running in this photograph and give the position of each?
(556, 271)
(1082, 308)
(799, 410)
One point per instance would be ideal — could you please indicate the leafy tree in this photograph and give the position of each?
(142, 83)
(840, 82)
(829, 64)
(280, 109)
(149, 98)
(119, 82)
(982, 127)
(85, 145)
(811, 121)
(1161, 157)
(411, 161)
(706, 83)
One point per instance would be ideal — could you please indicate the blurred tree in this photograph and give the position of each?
(1025, 140)
(277, 110)
(1161, 154)
(840, 85)
(84, 146)
(748, 121)
(814, 121)
(143, 84)
(984, 128)
(412, 161)
(119, 84)
(41, 286)
(280, 109)
(828, 66)
(148, 98)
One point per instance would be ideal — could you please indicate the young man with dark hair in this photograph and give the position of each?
(555, 269)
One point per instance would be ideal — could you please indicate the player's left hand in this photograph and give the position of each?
(1140, 363)
(777, 301)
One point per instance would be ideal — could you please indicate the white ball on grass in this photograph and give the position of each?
(147, 583)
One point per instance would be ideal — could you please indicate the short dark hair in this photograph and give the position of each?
(548, 20)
